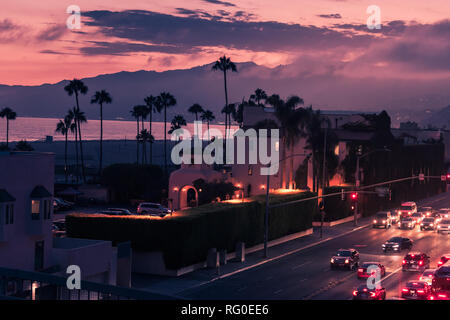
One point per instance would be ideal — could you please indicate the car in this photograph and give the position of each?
(153, 209)
(60, 204)
(395, 217)
(59, 228)
(441, 282)
(427, 276)
(426, 211)
(382, 219)
(345, 258)
(366, 269)
(397, 244)
(416, 261)
(443, 226)
(419, 290)
(363, 292)
(443, 260)
(439, 296)
(417, 217)
(428, 223)
(407, 209)
(407, 223)
(116, 212)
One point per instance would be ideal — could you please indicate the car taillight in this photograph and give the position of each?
(361, 270)
(355, 293)
(405, 290)
(431, 298)
(404, 262)
(420, 263)
(372, 294)
(440, 262)
(442, 295)
(420, 291)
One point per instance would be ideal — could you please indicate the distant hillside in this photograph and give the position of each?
(439, 119)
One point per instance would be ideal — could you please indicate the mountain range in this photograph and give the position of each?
(409, 99)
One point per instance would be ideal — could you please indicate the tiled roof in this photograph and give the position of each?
(40, 192)
(5, 196)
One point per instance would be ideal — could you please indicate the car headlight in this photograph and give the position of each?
(439, 227)
(431, 224)
(347, 261)
(374, 221)
(383, 245)
(395, 245)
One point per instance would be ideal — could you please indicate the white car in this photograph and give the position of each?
(153, 209)
(427, 276)
(444, 226)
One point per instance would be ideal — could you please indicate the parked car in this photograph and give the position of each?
(117, 212)
(444, 226)
(345, 258)
(60, 204)
(59, 228)
(397, 244)
(416, 290)
(363, 269)
(407, 223)
(382, 219)
(416, 261)
(363, 292)
(428, 223)
(153, 209)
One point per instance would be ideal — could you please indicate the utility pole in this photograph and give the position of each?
(322, 212)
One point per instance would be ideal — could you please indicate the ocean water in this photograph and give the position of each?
(36, 129)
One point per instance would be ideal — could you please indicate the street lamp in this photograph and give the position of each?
(266, 217)
(357, 180)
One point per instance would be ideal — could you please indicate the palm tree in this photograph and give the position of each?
(152, 106)
(177, 122)
(100, 98)
(166, 100)
(9, 114)
(136, 113)
(284, 111)
(143, 137)
(63, 127)
(71, 116)
(208, 116)
(196, 109)
(76, 87)
(258, 96)
(79, 118)
(224, 64)
(229, 111)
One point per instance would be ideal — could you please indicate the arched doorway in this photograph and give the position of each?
(188, 197)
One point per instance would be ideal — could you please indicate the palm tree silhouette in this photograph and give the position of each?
(166, 100)
(285, 112)
(229, 111)
(224, 64)
(152, 106)
(177, 122)
(208, 116)
(136, 113)
(196, 109)
(101, 97)
(63, 127)
(258, 96)
(71, 116)
(9, 114)
(77, 87)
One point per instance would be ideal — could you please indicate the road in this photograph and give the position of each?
(306, 274)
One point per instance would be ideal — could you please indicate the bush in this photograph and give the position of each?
(186, 238)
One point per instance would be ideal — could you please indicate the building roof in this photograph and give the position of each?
(5, 196)
(40, 192)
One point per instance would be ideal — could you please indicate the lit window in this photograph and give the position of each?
(250, 170)
(35, 209)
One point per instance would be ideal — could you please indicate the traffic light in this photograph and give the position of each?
(448, 178)
(354, 196)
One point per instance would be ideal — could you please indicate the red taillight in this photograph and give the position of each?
(404, 262)
(405, 290)
(360, 270)
(420, 291)
(373, 294)
(355, 293)
(431, 298)
(420, 263)
(442, 295)
(440, 263)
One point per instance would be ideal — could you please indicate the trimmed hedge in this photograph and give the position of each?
(186, 239)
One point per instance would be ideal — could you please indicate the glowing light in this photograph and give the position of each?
(176, 189)
(263, 187)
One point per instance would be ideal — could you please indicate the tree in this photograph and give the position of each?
(136, 113)
(101, 97)
(23, 145)
(238, 116)
(177, 122)
(196, 109)
(77, 87)
(71, 115)
(208, 116)
(409, 125)
(153, 106)
(285, 111)
(166, 100)
(64, 127)
(79, 118)
(9, 114)
(225, 64)
(258, 96)
(229, 111)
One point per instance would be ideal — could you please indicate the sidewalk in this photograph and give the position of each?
(173, 286)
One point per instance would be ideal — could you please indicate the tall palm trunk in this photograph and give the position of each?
(151, 145)
(165, 141)
(7, 131)
(101, 141)
(81, 141)
(65, 155)
(207, 123)
(137, 141)
(226, 102)
(77, 169)
(291, 172)
(283, 164)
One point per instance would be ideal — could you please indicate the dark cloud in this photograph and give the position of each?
(330, 16)
(10, 31)
(223, 3)
(391, 28)
(197, 31)
(125, 48)
(51, 33)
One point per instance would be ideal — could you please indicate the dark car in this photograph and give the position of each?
(345, 258)
(418, 217)
(443, 260)
(416, 261)
(397, 244)
(382, 219)
(419, 290)
(363, 292)
(407, 223)
(61, 205)
(366, 269)
(117, 212)
(441, 283)
(428, 224)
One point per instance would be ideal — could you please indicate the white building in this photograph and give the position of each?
(26, 215)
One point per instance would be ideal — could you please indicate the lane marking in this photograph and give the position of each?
(301, 265)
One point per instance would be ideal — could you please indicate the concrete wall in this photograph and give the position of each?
(20, 173)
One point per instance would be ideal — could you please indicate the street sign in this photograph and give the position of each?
(358, 183)
(421, 177)
(443, 178)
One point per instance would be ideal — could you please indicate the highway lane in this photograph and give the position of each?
(307, 275)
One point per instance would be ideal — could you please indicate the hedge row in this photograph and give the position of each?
(186, 239)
